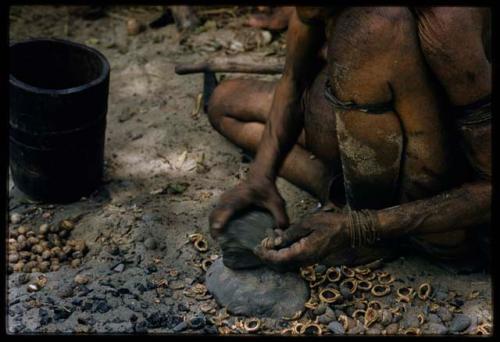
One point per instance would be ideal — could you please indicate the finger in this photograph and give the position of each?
(277, 208)
(292, 234)
(221, 215)
(294, 253)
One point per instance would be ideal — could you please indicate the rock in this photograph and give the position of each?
(336, 328)
(242, 234)
(61, 313)
(433, 318)
(119, 268)
(459, 323)
(197, 322)
(444, 314)
(134, 27)
(258, 293)
(327, 317)
(373, 331)
(320, 309)
(435, 329)
(392, 329)
(102, 307)
(180, 327)
(150, 244)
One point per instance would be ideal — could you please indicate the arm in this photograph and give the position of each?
(282, 130)
(286, 119)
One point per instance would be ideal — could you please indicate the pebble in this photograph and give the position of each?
(119, 268)
(433, 318)
(150, 244)
(320, 309)
(392, 329)
(336, 328)
(44, 229)
(459, 323)
(197, 322)
(180, 327)
(373, 331)
(444, 314)
(62, 312)
(436, 329)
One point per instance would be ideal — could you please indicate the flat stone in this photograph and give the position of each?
(459, 323)
(241, 235)
(257, 293)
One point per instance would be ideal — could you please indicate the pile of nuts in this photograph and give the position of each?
(44, 250)
(352, 293)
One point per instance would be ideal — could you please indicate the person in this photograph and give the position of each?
(271, 18)
(392, 133)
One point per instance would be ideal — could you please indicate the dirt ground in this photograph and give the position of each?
(142, 272)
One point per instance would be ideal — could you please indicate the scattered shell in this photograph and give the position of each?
(364, 285)
(350, 284)
(405, 294)
(371, 316)
(483, 329)
(294, 317)
(205, 264)
(413, 331)
(375, 305)
(76, 263)
(358, 313)
(386, 317)
(333, 274)
(424, 291)
(311, 329)
(329, 295)
(347, 272)
(308, 273)
(385, 278)
(252, 325)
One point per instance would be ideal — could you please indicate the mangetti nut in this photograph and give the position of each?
(333, 274)
(252, 325)
(405, 294)
(375, 305)
(347, 272)
(385, 278)
(308, 273)
(363, 270)
(424, 291)
(413, 331)
(371, 316)
(380, 290)
(350, 284)
(358, 313)
(329, 295)
(364, 285)
(319, 280)
(201, 245)
(206, 263)
(311, 329)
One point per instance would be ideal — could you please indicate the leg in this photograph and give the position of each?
(238, 110)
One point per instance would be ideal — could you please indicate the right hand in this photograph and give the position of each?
(261, 192)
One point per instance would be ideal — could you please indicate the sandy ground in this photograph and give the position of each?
(138, 235)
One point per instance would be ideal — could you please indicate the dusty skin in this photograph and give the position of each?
(142, 272)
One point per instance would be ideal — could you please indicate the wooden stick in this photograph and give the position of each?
(183, 69)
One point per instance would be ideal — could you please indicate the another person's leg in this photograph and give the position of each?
(238, 109)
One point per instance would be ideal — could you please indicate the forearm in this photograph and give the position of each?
(286, 118)
(457, 209)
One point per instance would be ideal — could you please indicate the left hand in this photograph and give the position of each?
(307, 241)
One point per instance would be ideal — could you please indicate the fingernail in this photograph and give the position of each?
(216, 225)
(278, 241)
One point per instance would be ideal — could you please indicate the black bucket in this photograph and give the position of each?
(58, 105)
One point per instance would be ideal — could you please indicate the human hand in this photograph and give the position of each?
(261, 192)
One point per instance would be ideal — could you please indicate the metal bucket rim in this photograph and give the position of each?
(103, 73)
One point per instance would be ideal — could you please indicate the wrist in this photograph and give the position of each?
(363, 227)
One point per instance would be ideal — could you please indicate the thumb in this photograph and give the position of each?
(276, 205)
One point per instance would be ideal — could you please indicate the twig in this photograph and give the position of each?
(183, 69)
